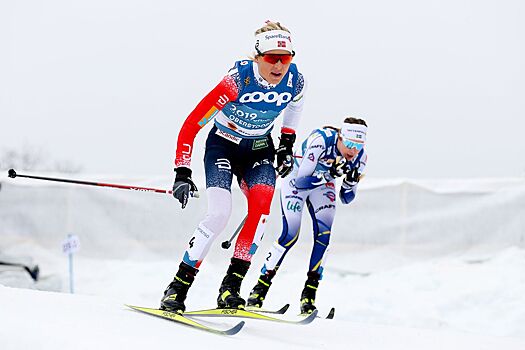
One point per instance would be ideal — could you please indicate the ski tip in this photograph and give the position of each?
(309, 317)
(235, 329)
(181, 319)
(283, 309)
(141, 308)
(331, 314)
(33, 272)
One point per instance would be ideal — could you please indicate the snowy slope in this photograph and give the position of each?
(412, 265)
(46, 320)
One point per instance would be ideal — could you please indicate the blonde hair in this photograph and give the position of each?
(271, 26)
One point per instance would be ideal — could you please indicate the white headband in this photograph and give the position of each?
(354, 131)
(273, 40)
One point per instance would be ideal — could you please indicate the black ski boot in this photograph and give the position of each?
(308, 294)
(229, 292)
(260, 290)
(175, 293)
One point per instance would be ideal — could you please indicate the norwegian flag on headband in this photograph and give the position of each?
(281, 44)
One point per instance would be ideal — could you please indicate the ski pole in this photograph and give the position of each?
(12, 173)
(33, 272)
(228, 243)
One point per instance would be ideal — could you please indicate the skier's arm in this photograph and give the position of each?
(349, 186)
(291, 115)
(347, 191)
(216, 99)
(337, 169)
(309, 182)
(292, 112)
(305, 178)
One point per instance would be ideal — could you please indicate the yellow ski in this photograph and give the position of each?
(266, 311)
(175, 317)
(247, 314)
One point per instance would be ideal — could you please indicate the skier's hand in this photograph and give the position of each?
(352, 177)
(338, 167)
(284, 162)
(183, 187)
(284, 154)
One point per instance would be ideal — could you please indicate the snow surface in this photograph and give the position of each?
(446, 289)
(46, 320)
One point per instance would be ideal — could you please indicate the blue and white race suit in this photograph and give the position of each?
(311, 183)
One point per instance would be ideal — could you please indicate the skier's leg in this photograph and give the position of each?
(322, 209)
(217, 215)
(292, 203)
(229, 291)
(218, 183)
(219, 175)
(291, 208)
(175, 293)
(321, 206)
(308, 293)
(252, 232)
(259, 179)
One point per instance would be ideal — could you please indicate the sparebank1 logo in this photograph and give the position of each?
(293, 206)
(269, 97)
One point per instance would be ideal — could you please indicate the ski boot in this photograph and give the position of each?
(308, 294)
(229, 292)
(175, 293)
(260, 290)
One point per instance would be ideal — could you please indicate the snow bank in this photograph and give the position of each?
(438, 216)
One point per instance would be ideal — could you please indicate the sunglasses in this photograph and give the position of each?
(351, 144)
(274, 58)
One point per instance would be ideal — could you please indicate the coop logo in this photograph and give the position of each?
(269, 97)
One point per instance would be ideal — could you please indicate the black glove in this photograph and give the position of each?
(284, 154)
(338, 167)
(183, 186)
(352, 177)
